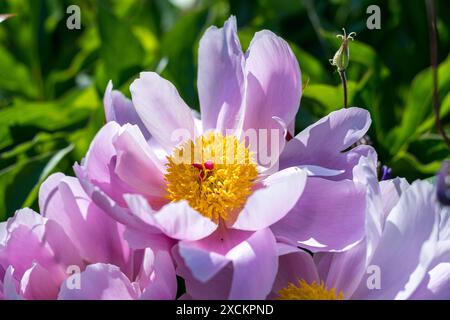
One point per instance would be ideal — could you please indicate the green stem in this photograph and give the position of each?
(344, 85)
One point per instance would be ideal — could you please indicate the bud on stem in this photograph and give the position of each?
(341, 59)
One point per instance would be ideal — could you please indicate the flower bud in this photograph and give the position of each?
(342, 56)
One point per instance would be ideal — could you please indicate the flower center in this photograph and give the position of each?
(305, 291)
(214, 173)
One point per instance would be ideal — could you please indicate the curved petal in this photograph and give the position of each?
(137, 164)
(99, 164)
(342, 270)
(294, 264)
(104, 201)
(177, 219)
(391, 190)
(273, 82)
(411, 224)
(220, 76)
(10, 285)
(24, 243)
(96, 236)
(238, 265)
(329, 216)
(322, 142)
(120, 109)
(365, 175)
(161, 109)
(157, 277)
(38, 283)
(100, 282)
(436, 286)
(272, 201)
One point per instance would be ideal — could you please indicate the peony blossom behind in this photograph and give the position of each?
(228, 217)
(40, 252)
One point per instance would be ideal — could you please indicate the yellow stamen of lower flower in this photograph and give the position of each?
(214, 173)
(305, 291)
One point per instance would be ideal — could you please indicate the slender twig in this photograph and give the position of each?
(431, 10)
(343, 76)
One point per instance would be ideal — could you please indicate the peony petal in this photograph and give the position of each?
(137, 164)
(229, 264)
(38, 283)
(365, 175)
(177, 219)
(436, 286)
(342, 270)
(96, 235)
(294, 264)
(157, 276)
(99, 164)
(273, 82)
(120, 109)
(329, 216)
(391, 190)
(322, 142)
(220, 76)
(255, 265)
(162, 109)
(273, 201)
(411, 224)
(100, 282)
(10, 285)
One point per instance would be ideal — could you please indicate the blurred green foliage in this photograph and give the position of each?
(52, 79)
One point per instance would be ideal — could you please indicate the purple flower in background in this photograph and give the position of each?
(39, 253)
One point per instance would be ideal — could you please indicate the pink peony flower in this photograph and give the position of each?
(404, 255)
(226, 209)
(40, 253)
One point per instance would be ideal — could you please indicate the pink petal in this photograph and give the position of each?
(161, 109)
(100, 282)
(329, 216)
(220, 76)
(273, 82)
(38, 283)
(177, 219)
(120, 109)
(322, 142)
(96, 236)
(99, 164)
(411, 224)
(273, 201)
(137, 164)
(228, 264)
(294, 264)
(10, 285)
(157, 276)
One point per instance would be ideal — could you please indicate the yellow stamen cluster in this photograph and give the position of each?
(305, 291)
(214, 173)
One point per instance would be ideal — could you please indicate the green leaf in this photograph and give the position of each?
(24, 119)
(19, 183)
(329, 97)
(46, 171)
(418, 105)
(121, 52)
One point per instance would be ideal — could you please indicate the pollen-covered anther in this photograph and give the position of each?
(306, 291)
(214, 173)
